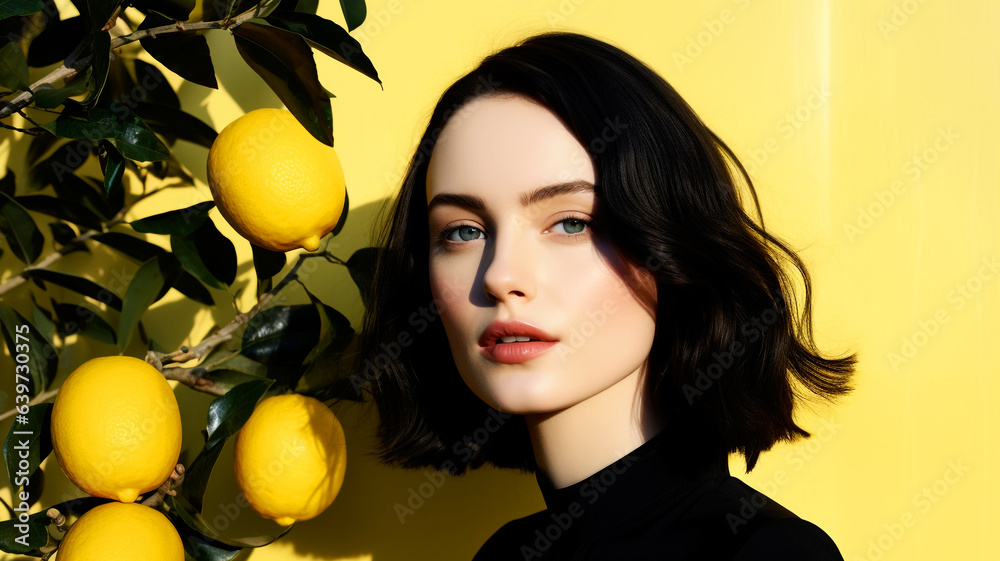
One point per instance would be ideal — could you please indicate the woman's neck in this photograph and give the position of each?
(574, 443)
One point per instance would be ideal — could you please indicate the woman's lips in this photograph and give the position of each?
(517, 352)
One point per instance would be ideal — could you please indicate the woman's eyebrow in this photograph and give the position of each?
(474, 202)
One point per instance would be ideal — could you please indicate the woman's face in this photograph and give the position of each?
(498, 253)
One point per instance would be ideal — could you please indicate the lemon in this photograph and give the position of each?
(116, 428)
(290, 458)
(119, 532)
(274, 183)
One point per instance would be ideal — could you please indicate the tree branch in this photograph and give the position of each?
(38, 399)
(168, 488)
(184, 375)
(51, 258)
(68, 72)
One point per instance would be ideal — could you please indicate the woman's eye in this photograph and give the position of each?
(465, 233)
(574, 226)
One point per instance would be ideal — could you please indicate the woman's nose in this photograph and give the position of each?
(510, 266)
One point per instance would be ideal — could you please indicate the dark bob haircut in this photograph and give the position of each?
(730, 353)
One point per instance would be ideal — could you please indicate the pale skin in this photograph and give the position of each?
(583, 399)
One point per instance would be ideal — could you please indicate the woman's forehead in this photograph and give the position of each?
(494, 143)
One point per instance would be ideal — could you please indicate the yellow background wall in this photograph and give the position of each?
(867, 127)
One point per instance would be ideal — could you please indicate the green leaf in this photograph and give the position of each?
(77, 284)
(8, 183)
(265, 7)
(13, 68)
(56, 42)
(151, 282)
(48, 97)
(132, 136)
(185, 54)
(101, 65)
(76, 189)
(282, 335)
(40, 145)
(197, 545)
(328, 377)
(75, 319)
(68, 210)
(19, 8)
(235, 7)
(207, 254)
(155, 86)
(38, 526)
(229, 412)
(285, 62)
(37, 536)
(100, 123)
(343, 215)
(225, 379)
(136, 141)
(306, 6)
(137, 249)
(20, 230)
(179, 222)
(196, 522)
(328, 37)
(174, 122)
(100, 11)
(336, 330)
(33, 439)
(43, 321)
(142, 251)
(267, 263)
(355, 12)
(361, 266)
(171, 168)
(64, 160)
(238, 362)
(113, 167)
(197, 474)
(174, 9)
(62, 233)
(41, 359)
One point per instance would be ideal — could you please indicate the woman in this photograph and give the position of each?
(617, 324)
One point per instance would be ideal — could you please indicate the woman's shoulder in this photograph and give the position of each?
(725, 519)
(778, 539)
(769, 530)
(511, 540)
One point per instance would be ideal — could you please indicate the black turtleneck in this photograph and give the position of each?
(644, 507)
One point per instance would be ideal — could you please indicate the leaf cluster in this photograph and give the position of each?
(103, 124)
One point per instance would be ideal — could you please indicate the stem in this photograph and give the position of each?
(24, 98)
(179, 27)
(38, 399)
(210, 342)
(57, 518)
(51, 258)
(67, 72)
(168, 488)
(184, 375)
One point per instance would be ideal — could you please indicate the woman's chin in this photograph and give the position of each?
(524, 402)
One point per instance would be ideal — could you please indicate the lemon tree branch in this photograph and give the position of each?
(184, 354)
(67, 72)
(49, 259)
(169, 487)
(38, 399)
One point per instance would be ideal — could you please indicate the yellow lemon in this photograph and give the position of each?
(290, 458)
(116, 428)
(274, 183)
(119, 532)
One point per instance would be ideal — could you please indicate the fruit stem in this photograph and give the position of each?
(168, 488)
